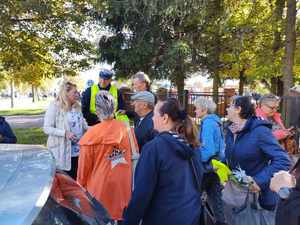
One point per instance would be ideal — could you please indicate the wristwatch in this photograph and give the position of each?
(284, 192)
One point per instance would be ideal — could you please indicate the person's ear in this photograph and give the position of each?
(165, 118)
(238, 109)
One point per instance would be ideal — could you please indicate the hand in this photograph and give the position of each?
(71, 136)
(291, 130)
(282, 179)
(254, 187)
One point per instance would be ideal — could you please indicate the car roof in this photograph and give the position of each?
(26, 175)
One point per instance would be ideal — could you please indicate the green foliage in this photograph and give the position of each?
(153, 36)
(41, 39)
(241, 39)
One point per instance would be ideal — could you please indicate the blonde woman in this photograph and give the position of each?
(64, 124)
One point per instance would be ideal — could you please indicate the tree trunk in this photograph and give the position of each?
(37, 94)
(12, 94)
(276, 82)
(33, 94)
(277, 86)
(242, 81)
(290, 43)
(274, 85)
(179, 82)
(216, 82)
(288, 60)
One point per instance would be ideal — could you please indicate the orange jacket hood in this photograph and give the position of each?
(114, 136)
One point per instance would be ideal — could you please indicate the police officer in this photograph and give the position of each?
(89, 96)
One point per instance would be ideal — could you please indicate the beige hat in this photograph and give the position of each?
(145, 96)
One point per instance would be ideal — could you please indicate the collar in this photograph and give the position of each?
(106, 89)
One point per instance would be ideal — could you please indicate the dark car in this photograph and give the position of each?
(33, 192)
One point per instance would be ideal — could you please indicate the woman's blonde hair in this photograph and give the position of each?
(62, 98)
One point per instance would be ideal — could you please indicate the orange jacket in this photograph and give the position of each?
(104, 167)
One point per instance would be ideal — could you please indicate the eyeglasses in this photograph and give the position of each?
(273, 108)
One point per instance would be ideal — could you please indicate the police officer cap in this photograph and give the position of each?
(106, 74)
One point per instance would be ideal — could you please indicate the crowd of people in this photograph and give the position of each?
(154, 166)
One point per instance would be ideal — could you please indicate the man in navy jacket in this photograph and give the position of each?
(6, 133)
(143, 102)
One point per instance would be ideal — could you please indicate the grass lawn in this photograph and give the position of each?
(15, 112)
(30, 136)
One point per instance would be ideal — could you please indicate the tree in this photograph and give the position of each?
(153, 36)
(276, 82)
(289, 55)
(290, 45)
(37, 35)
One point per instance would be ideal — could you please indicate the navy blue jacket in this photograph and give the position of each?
(91, 118)
(257, 152)
(288, 211)
(6, 132)
(165, 188)
(143, 130)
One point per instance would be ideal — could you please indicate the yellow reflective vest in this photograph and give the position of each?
(114, 92)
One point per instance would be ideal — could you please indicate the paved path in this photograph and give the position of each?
(25, 121)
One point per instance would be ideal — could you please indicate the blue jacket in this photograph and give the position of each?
(211, 138)
(165, 188)
(143, 130)
(257, 152)
(6, 132)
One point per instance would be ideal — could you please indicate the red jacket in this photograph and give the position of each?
(105, 165)
(279, 134)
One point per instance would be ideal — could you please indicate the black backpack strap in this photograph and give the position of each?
(198, 183)
(205, 206)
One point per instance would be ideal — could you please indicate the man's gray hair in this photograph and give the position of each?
(105, 105)
(141, 76)
(206, 104)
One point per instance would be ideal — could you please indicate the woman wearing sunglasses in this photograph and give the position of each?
(267, 109)
(251, 147)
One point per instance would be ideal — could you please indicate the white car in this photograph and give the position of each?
(33, 192)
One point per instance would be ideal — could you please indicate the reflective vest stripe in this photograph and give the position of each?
(95, 89)
(114, 92)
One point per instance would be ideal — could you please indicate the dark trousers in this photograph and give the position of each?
(74, 165)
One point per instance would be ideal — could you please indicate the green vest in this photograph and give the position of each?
(114, 92)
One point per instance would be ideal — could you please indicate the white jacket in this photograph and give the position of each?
(55, 125)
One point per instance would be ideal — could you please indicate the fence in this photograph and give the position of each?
(289, 107)
(188, 100)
